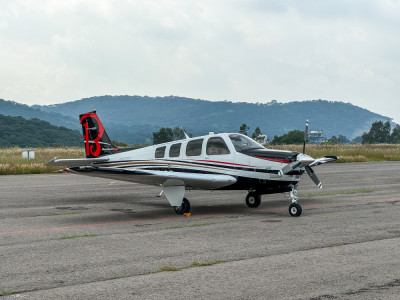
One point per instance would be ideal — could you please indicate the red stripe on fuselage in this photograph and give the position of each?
(222, 162)
(271, 159)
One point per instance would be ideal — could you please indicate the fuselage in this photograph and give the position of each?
(254, 166)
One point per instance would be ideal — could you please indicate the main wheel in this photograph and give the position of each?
(184, 208)
(295, 209)
(253, 199)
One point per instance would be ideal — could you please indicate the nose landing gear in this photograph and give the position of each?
(294, 208)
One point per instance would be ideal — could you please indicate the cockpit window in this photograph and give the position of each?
(242, 143)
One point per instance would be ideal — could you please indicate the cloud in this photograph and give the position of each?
(56, 51)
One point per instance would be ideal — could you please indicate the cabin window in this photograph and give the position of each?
(217, 146)
(175, 150)
(242, 143)
(160, 152)
(193, 148)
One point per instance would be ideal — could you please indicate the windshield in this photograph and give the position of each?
(242, 143)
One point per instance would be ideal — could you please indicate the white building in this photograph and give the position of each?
(316, 137)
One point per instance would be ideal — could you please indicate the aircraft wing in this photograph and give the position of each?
(195, 180)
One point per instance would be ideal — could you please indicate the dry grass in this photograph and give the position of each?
(11, 161)
(350, 153)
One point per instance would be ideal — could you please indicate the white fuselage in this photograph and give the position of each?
(205, 159)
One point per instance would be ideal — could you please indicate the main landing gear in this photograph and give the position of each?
(253, 199)
(294, 208)
(184, 208)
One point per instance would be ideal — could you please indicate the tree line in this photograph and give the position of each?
(380, 133)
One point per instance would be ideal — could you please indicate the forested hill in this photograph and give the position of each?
(17, 131)
(12, 108)
(133, 118)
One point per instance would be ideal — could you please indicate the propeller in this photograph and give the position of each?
(307, 162)
(310, 171)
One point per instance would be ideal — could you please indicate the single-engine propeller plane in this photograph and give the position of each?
(224, 161)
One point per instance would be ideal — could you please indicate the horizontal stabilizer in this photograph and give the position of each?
(75, 162)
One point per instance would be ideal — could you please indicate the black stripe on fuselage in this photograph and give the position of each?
(224, 166)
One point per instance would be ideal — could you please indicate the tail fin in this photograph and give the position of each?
(97, 142)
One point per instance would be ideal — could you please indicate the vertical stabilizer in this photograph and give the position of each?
(97, 142)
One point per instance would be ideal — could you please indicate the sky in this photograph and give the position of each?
(236, 50)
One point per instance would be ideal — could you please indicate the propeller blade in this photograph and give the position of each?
(323, 160)
(305, 137)
(290, 167)
(313, 177)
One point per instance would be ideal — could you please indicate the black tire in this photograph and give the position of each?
(184, 208)
(253, 199)
(295, 210)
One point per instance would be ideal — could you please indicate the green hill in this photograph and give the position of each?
(133, 118)
(17, 131)
(15, 109)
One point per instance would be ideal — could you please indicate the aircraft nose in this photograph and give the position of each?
(305, 159)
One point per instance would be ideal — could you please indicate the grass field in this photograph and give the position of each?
(11, 161)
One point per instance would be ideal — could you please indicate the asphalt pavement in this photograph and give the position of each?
(65, 236)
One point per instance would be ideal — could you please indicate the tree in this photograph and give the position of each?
(338, 140)
(256, 133)
(178, 133)
(243, 129)
(167, 134)
(395, 137)
(292, 137)
(258, 136)
(164, 135)
(334, 140)
(378, 134)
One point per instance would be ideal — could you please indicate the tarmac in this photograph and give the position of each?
(65, 236)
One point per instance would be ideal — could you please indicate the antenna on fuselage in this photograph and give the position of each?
(184, 132)
(305, 137)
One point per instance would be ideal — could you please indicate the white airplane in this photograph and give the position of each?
(224, 161)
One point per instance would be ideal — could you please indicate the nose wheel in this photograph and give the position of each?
(295, 209)
(184, 208)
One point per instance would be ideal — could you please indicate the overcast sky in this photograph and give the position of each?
(249, 50)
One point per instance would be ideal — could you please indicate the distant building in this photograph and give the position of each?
(316, 137)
